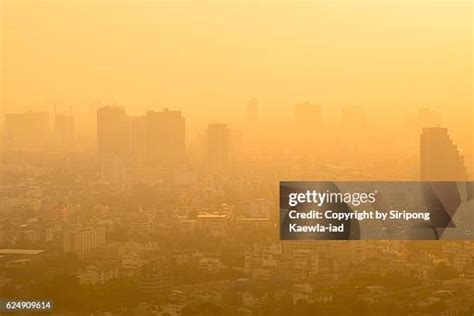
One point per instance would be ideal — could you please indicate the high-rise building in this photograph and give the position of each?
(157, 138)
(252, 110)
(64, 130)
(439, 156)
(82, 240)
(29, 130)
(164, 137)
(217, 144)
(110, 131)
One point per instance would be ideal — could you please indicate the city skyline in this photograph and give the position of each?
(391, 67)
(178, 158)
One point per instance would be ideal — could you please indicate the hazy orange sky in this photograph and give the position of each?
(208, 58)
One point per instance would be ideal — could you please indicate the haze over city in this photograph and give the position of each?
(148, 148)
(208, 58)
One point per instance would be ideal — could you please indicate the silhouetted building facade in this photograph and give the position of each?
(164, 137)
(439, 156)
(156, 139)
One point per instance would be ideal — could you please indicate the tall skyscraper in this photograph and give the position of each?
(64, 130)
(110, 131)
(439, 156)
(164, 137)
(29, 130)
(252, 111)
(156, 139)
(217, 144)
